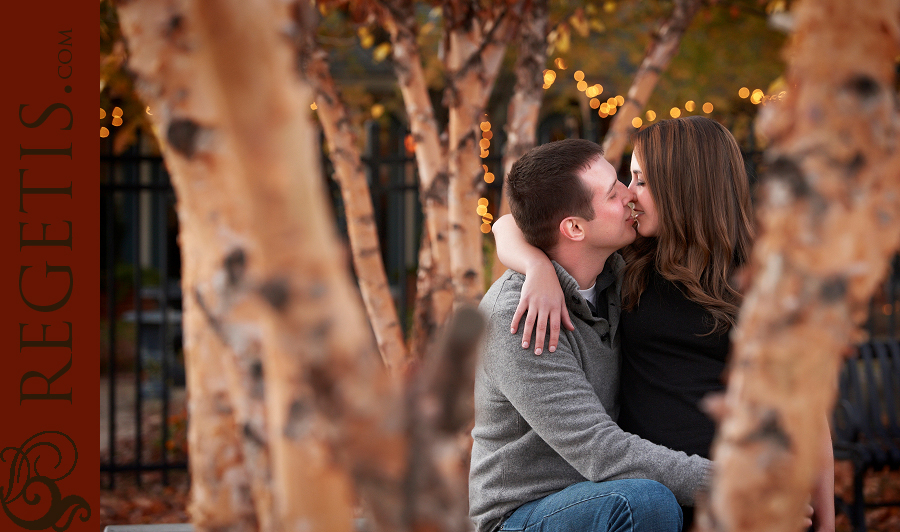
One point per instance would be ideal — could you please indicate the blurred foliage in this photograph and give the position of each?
(729, 45)
(117, 86)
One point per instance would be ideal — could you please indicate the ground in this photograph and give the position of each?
(154, 503)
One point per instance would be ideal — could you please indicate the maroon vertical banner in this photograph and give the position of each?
(49, 274)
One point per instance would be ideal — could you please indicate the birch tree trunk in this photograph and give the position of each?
(829, 225)
(473, 60)
(525, 105)
(262, 272)
(434, 287)
(350, 174)
(662, 49)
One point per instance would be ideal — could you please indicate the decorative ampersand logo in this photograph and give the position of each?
(32, 482)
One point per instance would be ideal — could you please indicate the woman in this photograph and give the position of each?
(693, 216)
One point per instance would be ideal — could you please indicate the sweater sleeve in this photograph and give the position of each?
(553, 395)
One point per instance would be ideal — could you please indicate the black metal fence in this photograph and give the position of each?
(143, 413)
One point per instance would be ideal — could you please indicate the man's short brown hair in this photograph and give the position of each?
(545, 186)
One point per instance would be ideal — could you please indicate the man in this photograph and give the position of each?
(547, 450)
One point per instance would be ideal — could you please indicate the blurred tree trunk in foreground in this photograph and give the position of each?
(663, 47)
(830, 204)
(290, 407)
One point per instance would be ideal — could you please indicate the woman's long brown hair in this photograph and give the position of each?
(696, 175)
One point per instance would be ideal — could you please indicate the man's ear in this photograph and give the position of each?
(572, 228)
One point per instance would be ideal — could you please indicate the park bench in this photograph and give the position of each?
(865, 426)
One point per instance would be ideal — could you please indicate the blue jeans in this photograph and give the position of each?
(633, 505)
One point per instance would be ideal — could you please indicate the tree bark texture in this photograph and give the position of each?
(474, 56)
(434, 286)
(528, 94)
(350, 174)
(261, 264)
(662, 49)
(289, 403)
(829, 222)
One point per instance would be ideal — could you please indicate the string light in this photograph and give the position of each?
(377, 110)
(620, 100)
(744, 92)
(560, 63)
(488, 177)
(651, 116)
(675, 112)
(579, 75)
(117, 112)
(689, 106)
(707, 108)
(595, 103)
(313, 106)
(636, 122)
(756, 97)
(582, 85)
(117, 121)
(104, 132)
(102, 114)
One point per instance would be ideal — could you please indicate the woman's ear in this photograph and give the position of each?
(572, 228)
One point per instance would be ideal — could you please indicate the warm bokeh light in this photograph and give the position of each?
(103, 113)
(410, 144)
(707, 108)
(756, 97)
(636, 122)
(549, 77)
(485, 167)
(595, 103)
(689, 106)
(148, 111)
(481, 210)
(484, 154)
(117, 111)
(484, 143)
(487, 218)
(579, 75)
(104, 132)
(487, 135)
(620, 100)
(651, 116)
(483, 201)
(612, 110)
(560, 63)
(485, 126)
(744, 92)
(377, 110)
(582, 85)
(488, 177)
(591, 91)
(381, 52)
(485, 228)
(602, 114)
(313, 106)
(612, 102)
(117, 121)
(675, 112)
(604, 107)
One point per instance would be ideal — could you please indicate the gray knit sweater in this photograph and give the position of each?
(543, 423)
